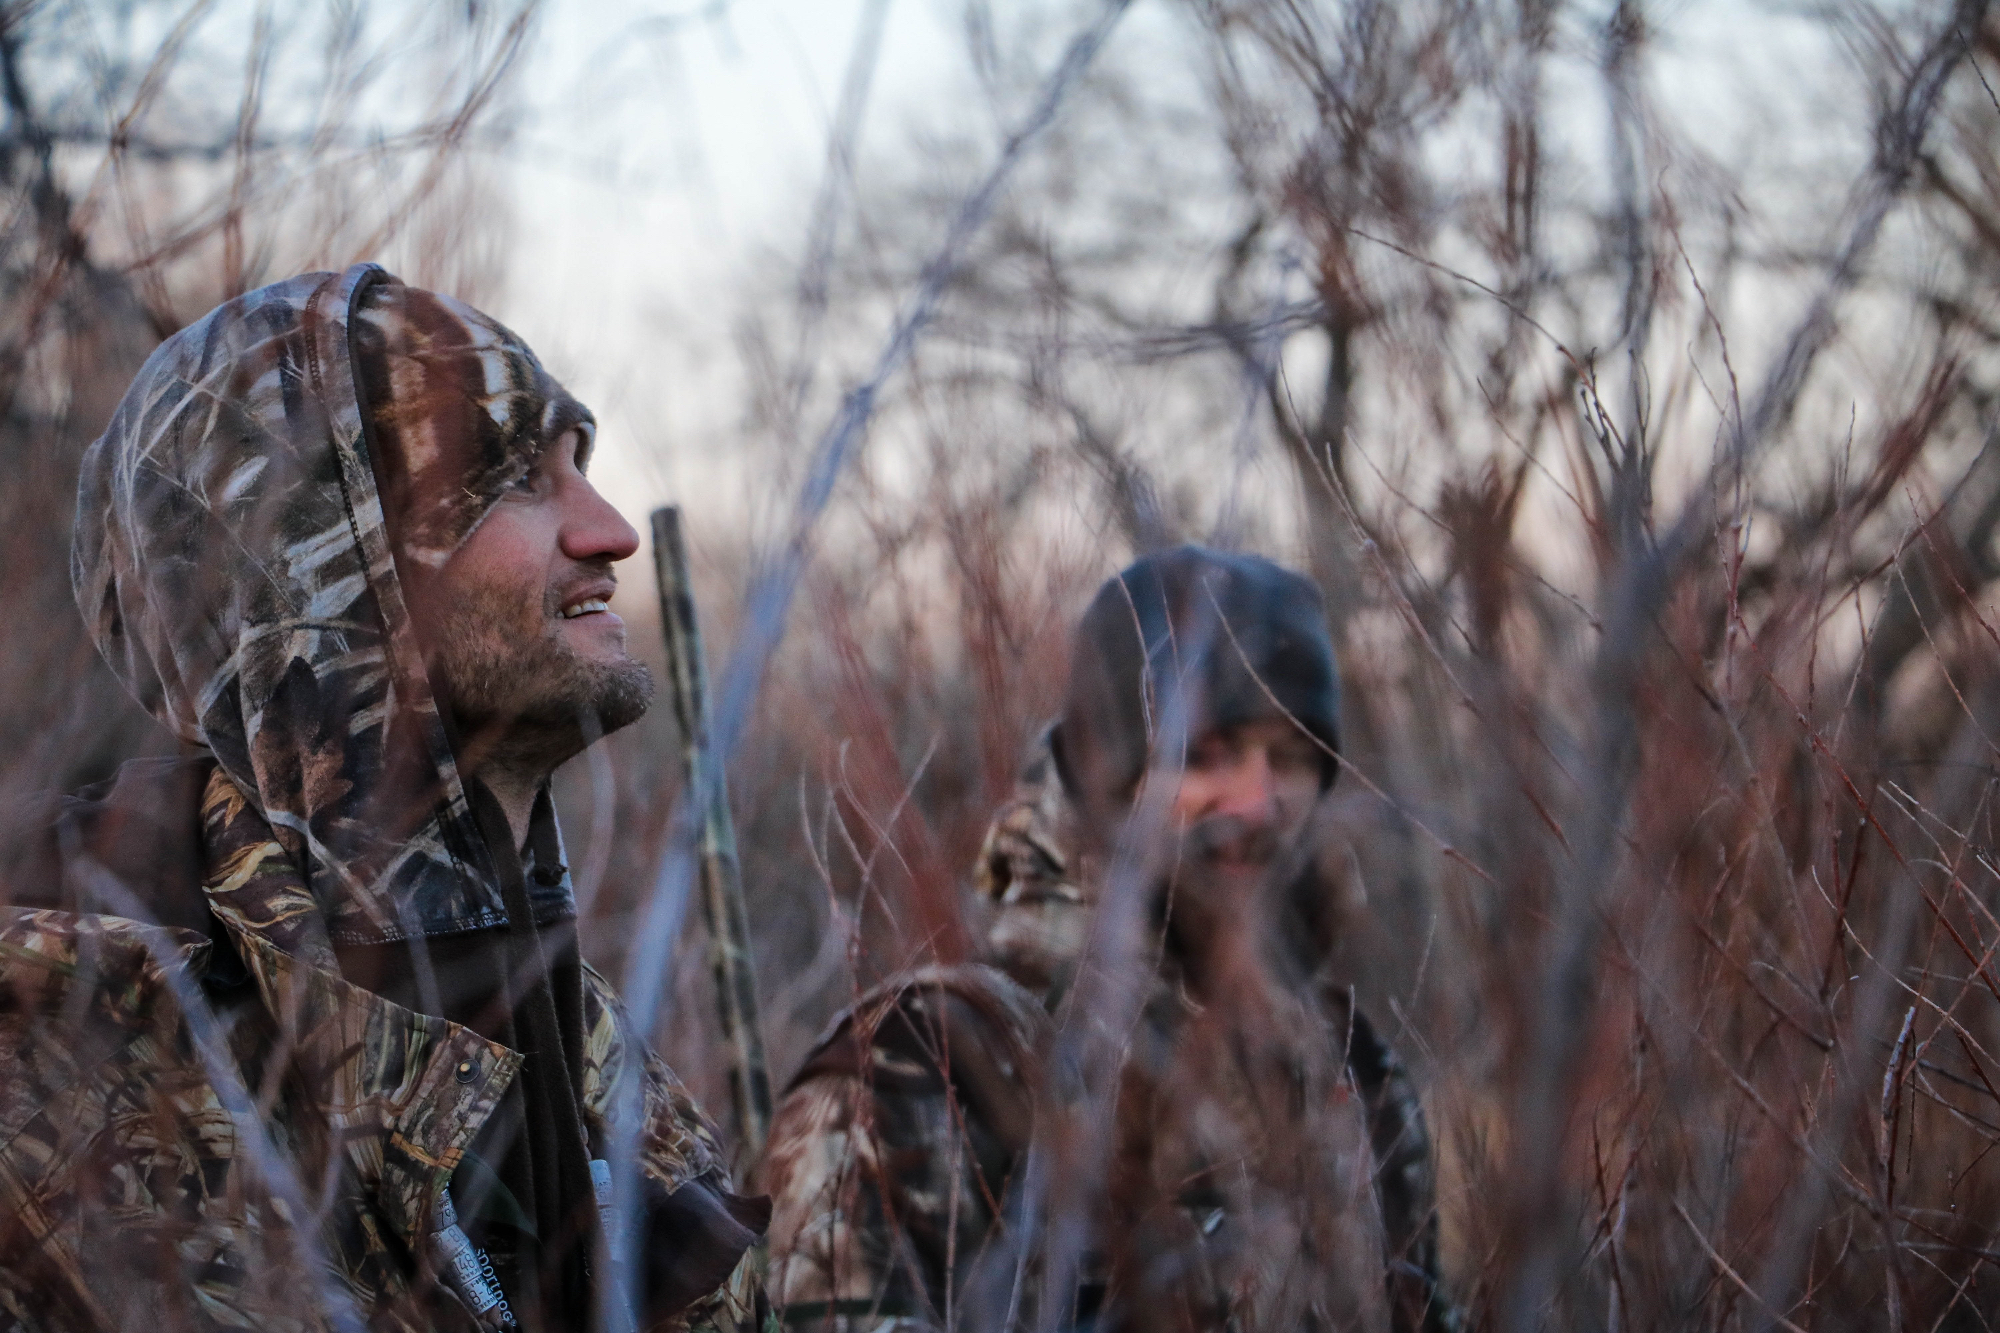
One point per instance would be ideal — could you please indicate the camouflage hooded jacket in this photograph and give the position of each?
(893, 1150)
(203, 1124)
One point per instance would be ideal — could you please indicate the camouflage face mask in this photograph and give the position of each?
(233, 558)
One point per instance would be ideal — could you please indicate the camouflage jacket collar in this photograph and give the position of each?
(403, 1092)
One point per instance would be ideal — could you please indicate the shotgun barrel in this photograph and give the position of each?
(722, 904)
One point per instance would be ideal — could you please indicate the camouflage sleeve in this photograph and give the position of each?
(833, 1257)
(894, 1148)
(737, 1306)
(678, 1151)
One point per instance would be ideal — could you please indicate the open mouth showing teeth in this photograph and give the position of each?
(584, 608)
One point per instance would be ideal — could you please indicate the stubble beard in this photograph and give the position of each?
(1222, 841)
(522, 694)
(1223, 893)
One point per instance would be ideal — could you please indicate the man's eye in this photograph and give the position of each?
(528, 482)
(1210, 753)
(1294, 755)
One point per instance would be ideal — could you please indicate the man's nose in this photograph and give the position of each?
(593, 529)
(1251, 795)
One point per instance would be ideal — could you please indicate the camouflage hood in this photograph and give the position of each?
(233, 560)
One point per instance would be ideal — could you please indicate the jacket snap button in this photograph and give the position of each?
(467, 1071)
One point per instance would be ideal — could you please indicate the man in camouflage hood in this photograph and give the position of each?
(294, 1033)
(1268, 1166)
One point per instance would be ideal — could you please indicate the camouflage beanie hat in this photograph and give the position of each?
(1247, 639)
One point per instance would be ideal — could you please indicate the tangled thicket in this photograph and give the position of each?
(1655, 502)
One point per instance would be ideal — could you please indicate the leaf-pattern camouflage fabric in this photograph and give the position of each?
(868, 1155)
(223, 1134)
(233, 560)
(891, 1154)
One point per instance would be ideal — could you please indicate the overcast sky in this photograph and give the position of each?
(671, 150)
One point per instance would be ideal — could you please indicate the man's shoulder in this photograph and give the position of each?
(968, 1032)
(1028, 850)
(90, 1025)
(126, 964)
(929, 1074)
(920, 1014)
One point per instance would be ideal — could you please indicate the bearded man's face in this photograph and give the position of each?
(1238, 810)
(1244, 794)
(520, 639)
